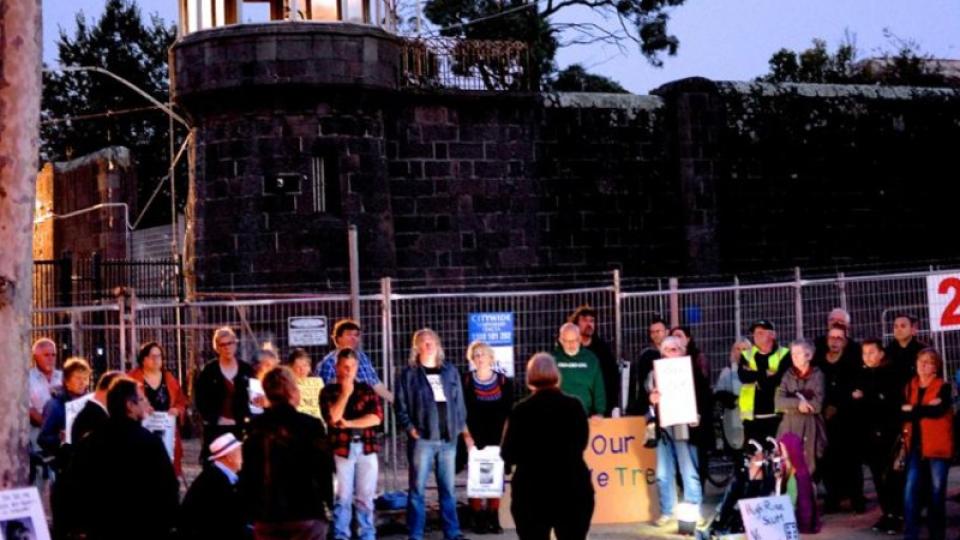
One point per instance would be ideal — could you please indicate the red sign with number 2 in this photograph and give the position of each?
(943, 297)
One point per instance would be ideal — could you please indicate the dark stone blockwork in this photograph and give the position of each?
(701, 177)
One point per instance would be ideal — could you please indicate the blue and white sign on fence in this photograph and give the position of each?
(494, 329)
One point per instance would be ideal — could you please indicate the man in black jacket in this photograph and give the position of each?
(638, 402)
(93, 415)
(212, 507)
(123, 485)
(222, 393)
(287, 478)
(901, 351)
(585, 317)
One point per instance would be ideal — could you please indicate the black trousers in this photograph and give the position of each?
(569, 519)
(887, 482)
(841, 467)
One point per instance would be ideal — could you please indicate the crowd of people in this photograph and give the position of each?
(271, 471)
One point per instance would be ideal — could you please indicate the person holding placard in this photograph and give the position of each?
(544, 440)
(162, 391)
(761, 369)
(353, 412)
(677, 448)
(489, 398)
(76, 381)
(800, 399)
(928, 440)
(431, 410)
(222, 391)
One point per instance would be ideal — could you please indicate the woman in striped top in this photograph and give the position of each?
(489, 398)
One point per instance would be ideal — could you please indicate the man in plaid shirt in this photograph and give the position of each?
(346, 335)
(352, 411)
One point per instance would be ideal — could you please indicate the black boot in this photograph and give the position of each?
(493, 522)
(479, 522)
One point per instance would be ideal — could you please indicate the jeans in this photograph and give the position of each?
(912, 501)
(356, 488)
(672, 454)
(439, 456)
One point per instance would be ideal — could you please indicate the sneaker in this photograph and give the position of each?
(894, 525)
(663, 520)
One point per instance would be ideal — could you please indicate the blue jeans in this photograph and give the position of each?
(936, 518)
(672, 454)
(356, 488)
(439, 456)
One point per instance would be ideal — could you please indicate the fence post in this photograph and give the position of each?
(617, 317)
(134, 339)
(76, 336)
(798, 302)
(96, 271)
(121, 304)
(842, 286)
(354, 272)
(737, 310)
(386, 324)
(674, 302)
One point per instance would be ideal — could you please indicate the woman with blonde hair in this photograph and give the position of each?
(430, 408)
(544, 440)
(489, 398)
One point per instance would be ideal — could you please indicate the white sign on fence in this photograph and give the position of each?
(943, 299)
(307, 331)
(769, 518)
(73, 408)
(21, 515)
(484, 473)
(163, 425)
(674, 381)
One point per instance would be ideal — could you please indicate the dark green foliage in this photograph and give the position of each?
(122, 42)
(576, 79)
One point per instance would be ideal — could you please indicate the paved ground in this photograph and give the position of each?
(845, 525)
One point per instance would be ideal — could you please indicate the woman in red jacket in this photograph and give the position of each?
(928, 438)
(162, 391)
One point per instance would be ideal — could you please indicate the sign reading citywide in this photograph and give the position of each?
(496, 330)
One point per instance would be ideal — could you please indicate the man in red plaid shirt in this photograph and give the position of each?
(352, 411)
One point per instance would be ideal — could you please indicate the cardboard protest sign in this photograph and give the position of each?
(163, 425)
(73, 408)
(310, 388)
(769, 518)
(678, 400)
(484, 473)
(21, 515)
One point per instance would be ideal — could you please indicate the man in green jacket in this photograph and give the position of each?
(580, 374)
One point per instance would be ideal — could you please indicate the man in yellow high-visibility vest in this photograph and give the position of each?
(760, 371)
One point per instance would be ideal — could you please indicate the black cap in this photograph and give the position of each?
(761, 323)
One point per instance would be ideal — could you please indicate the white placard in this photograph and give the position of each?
(21, 512)
(769, 518)
(943, 299)
(163, 425)
(678, 400)
(307, 331)
(73, 408)
(484, 473)
(255, 389)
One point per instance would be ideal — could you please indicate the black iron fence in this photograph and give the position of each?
(84, 281)
(466, 64)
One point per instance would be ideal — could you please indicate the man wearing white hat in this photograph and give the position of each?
(212, 506)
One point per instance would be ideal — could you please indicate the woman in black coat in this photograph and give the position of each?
(544, 440)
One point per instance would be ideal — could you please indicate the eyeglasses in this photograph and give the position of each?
(226, 343)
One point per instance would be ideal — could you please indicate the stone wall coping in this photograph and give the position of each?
(283, 28)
